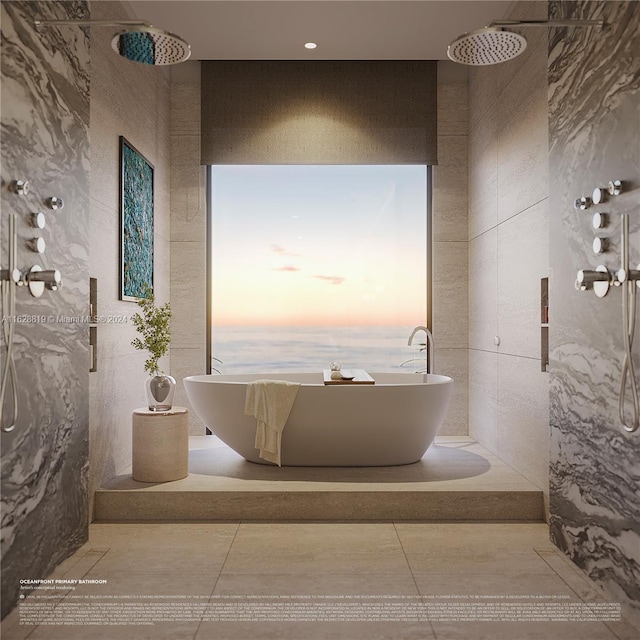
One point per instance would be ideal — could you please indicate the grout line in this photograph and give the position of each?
(584, 580)
(497, 225)
(404, 553)
(503, 353)
(215, 584)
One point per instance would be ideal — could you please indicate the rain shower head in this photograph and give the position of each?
(139, 42)
(494, 44)
(149, 45)
(490, 45)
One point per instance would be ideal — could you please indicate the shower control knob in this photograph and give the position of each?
(615, 187)
(54, 203)
(37, 245)
(599, 195)
(21, 187)
(582, 203)
(599, 220)
(600, 245)
(38, 220)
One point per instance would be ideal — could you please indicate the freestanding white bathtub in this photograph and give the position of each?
(390, 423)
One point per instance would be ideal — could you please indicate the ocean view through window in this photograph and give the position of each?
(316, 263)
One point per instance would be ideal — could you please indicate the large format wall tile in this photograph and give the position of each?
(188, 362)
(187, 297)
(483, 398)
(453, 100)
(508, 237)
(188, 235)
(131, 100)
(483, 291)
(523, 258)
(450, 189)
(483, 175)
(45, 140)
(455, 363)
(523, 418)
(450, 292)
(523, 174)
(594, 100)
(188, 190)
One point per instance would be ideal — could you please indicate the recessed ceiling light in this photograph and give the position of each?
(310, 45)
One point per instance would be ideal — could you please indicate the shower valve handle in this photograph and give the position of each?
(37, 279)
(587, 277)
(51, 278)
(599, 280)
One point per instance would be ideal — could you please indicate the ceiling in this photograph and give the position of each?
(343, 29)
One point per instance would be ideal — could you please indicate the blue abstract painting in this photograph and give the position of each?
(136, 222)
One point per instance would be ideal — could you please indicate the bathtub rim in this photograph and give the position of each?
(428, 379)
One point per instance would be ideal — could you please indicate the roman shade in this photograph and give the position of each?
(319, 112)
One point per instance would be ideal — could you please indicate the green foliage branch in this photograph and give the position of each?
(155, 328)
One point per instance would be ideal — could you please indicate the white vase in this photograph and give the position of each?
(160, 390)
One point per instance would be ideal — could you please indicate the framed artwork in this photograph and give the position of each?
(136, 222)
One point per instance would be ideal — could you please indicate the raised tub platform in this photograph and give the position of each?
(457, 479)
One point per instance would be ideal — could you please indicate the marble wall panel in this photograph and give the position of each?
(45, 140)
(594, 100)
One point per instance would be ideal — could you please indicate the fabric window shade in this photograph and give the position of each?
(319, 112)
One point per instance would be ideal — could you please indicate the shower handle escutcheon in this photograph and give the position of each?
(599, 280)
(38, 279)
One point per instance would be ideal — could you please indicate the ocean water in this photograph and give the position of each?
(309, 349)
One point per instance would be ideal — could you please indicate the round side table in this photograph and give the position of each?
(160, 445)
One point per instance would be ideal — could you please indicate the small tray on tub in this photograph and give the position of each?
(349, 376)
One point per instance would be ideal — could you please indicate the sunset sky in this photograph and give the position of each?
(319, 245)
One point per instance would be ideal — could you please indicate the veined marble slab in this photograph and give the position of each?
(45, 140)
(594, 137)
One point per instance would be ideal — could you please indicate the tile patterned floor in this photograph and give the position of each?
(383, 567)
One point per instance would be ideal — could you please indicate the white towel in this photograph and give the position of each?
(270, 401)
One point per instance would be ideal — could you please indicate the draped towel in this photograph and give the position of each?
(270, 402)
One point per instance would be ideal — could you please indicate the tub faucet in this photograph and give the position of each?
(428, 345)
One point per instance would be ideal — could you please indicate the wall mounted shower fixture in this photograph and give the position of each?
(628, 279)
(494, 44)
(139, 42)
(36, 279)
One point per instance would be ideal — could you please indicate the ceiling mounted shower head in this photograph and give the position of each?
(149, 45)
(139, 42)
(490, 45)
(494, 44)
